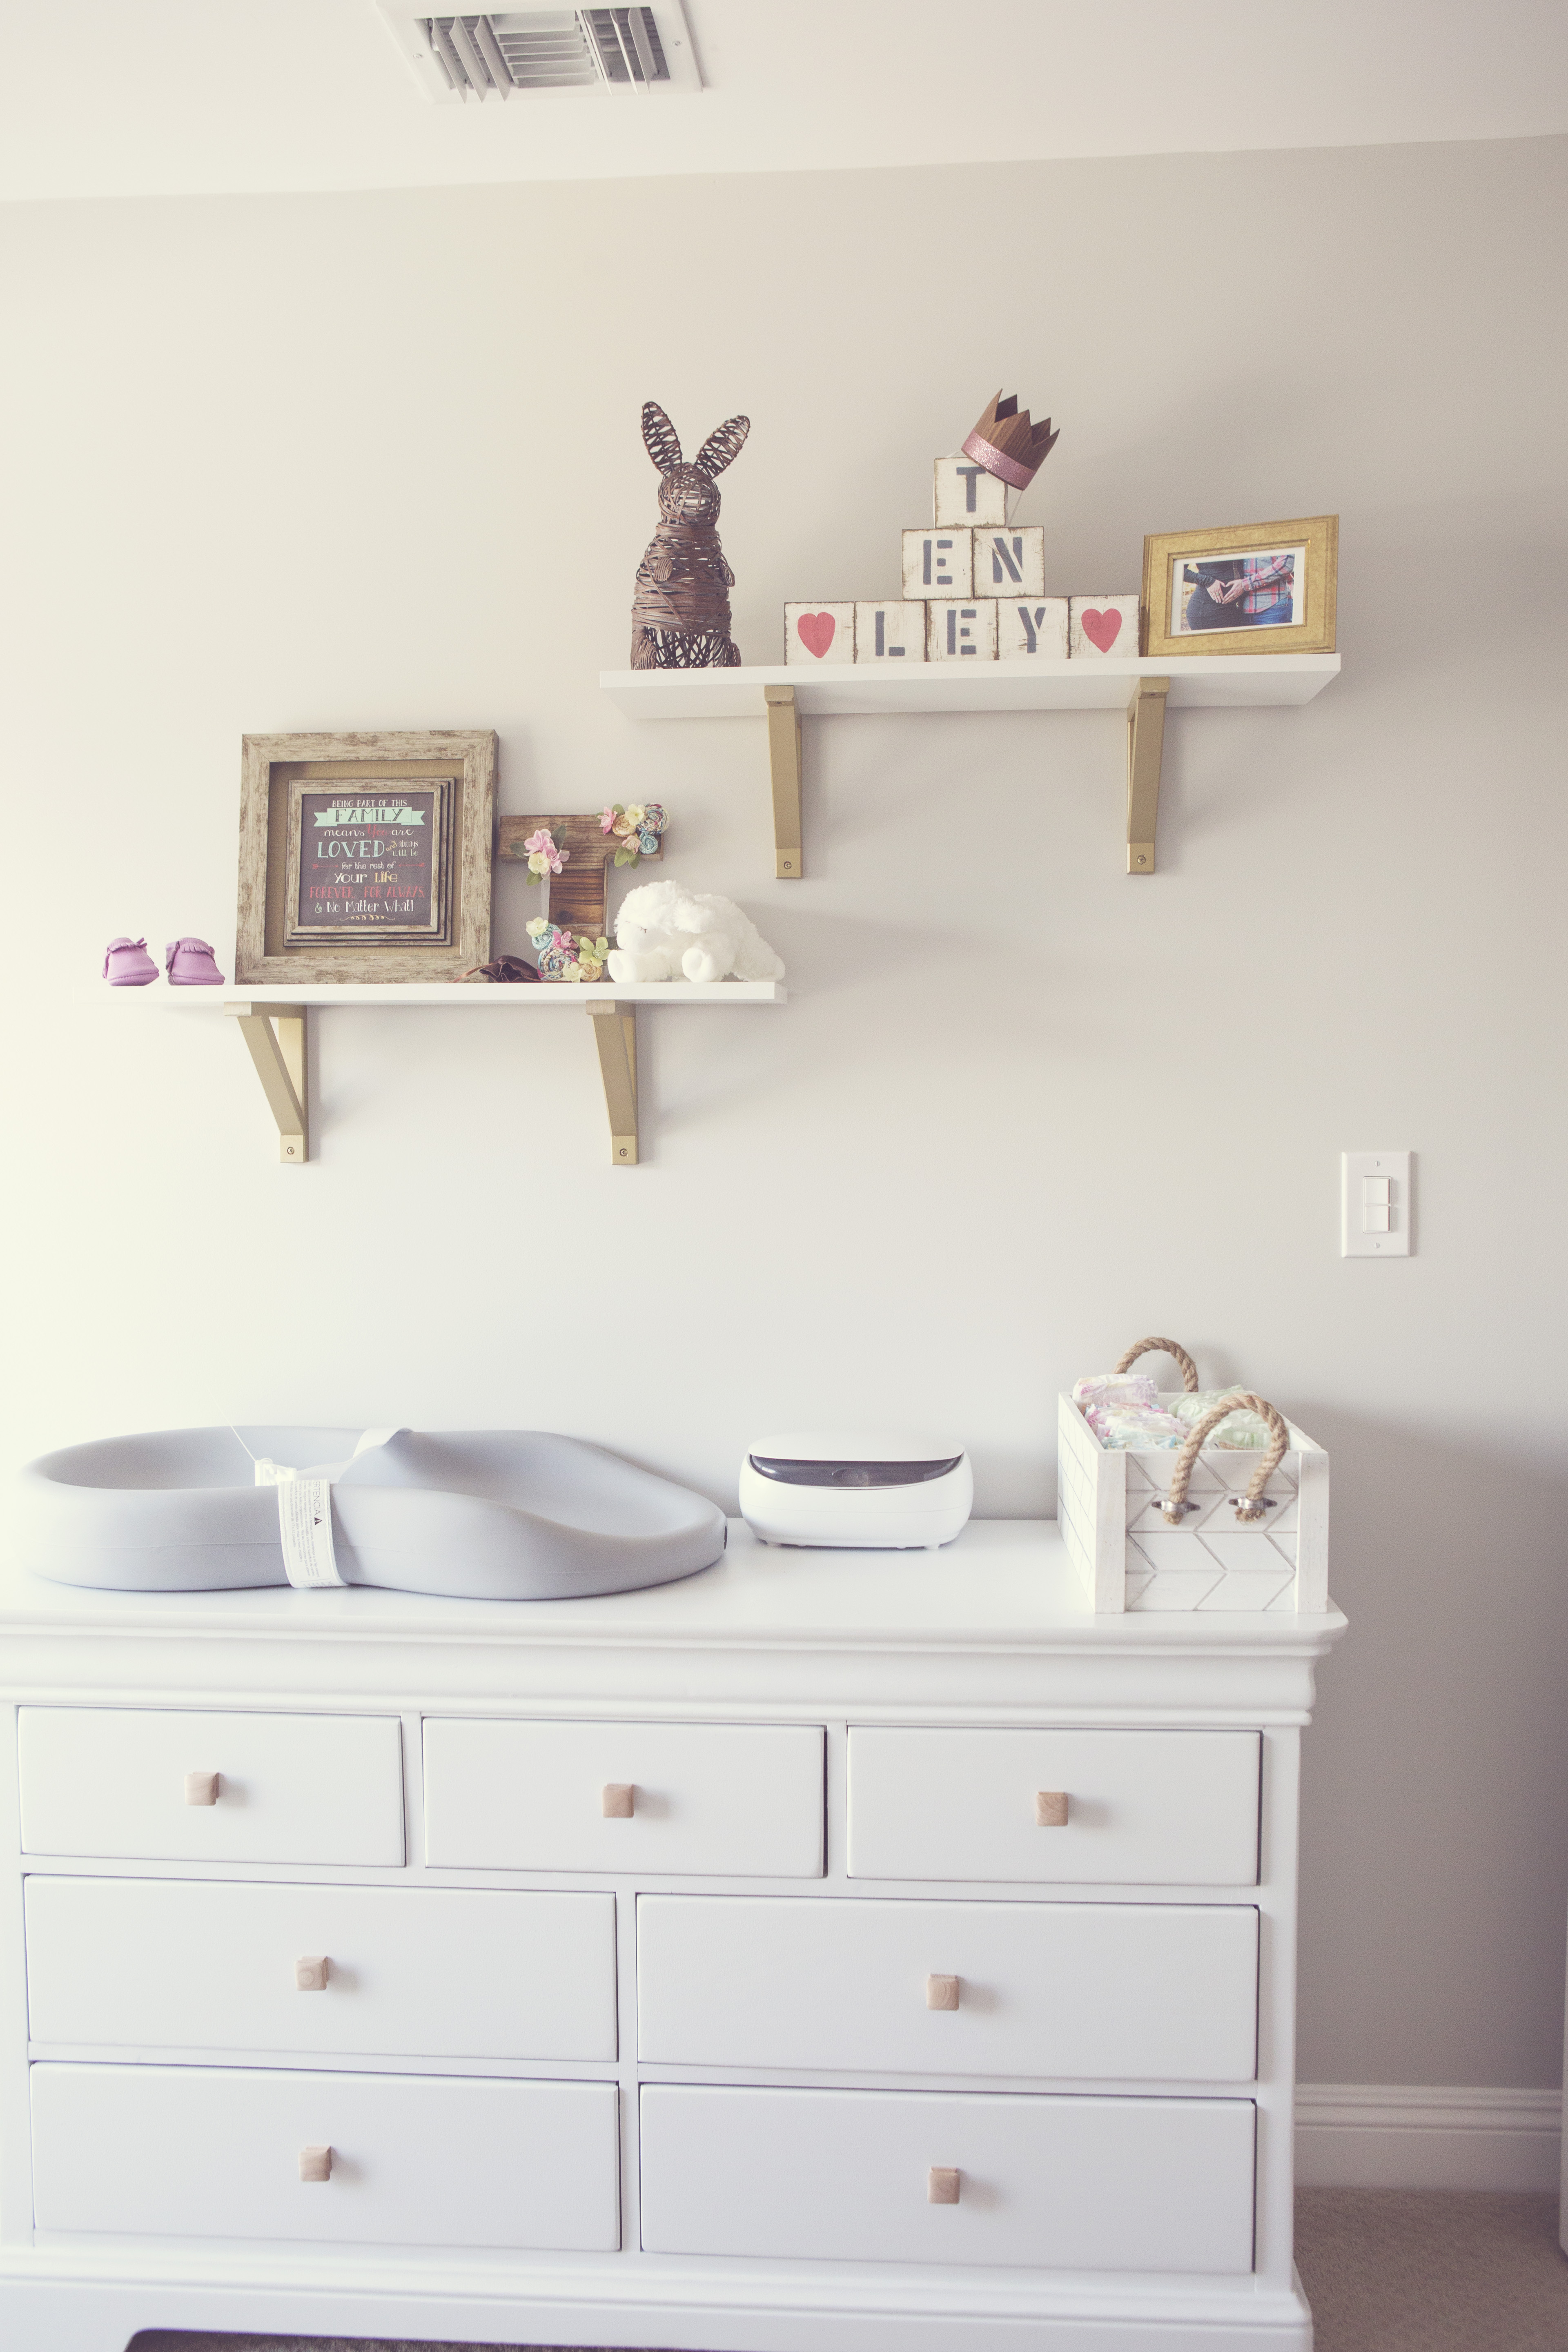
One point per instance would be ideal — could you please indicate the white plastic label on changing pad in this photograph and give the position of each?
(305, 1525)
(305, 1511)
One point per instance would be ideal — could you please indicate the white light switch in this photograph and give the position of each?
(1374, 1204)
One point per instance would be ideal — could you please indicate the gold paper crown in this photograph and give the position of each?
(1007, 445)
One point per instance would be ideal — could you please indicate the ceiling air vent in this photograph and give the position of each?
(510, 52)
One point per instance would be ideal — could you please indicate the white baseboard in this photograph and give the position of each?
(1405, 2136)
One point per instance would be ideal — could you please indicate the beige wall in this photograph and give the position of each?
(373, 461)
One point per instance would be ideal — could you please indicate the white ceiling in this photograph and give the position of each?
(107, 97)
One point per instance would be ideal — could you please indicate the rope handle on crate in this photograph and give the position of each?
(1163, 1347)
(1251, 1505)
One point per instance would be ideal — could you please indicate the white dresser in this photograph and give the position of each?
(838, 1952)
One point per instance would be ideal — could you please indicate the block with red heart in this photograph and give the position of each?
(1101, 625)
(819, 636)
(893, 636)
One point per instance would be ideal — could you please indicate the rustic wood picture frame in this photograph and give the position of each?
(1312, 634)
(270, 763)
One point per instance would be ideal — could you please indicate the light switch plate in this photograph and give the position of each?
(1374, 1204)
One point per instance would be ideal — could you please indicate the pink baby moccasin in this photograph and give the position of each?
(190, 963)
(127, 964)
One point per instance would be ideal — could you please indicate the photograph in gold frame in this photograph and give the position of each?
(1242, 588)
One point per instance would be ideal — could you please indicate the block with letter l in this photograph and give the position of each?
(893, 634)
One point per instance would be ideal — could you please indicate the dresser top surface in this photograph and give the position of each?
(1003, 1584)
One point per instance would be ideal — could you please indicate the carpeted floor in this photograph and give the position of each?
(1386, 2270)
(1432, 2269)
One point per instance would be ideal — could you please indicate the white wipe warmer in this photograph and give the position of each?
(868, 1491)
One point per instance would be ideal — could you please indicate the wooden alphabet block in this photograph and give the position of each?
(966, 493)
(1035, 630)
(819, 635)
(890, 634)
(960, 632)
(939, 563)
(1099, 625)
(1010, 562)
(578, 894)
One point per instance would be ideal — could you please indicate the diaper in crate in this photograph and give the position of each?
(1189, 1499)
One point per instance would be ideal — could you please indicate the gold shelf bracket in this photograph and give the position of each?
(783, 761)
(280, 1046)
(616, 1035)
(1145, 744)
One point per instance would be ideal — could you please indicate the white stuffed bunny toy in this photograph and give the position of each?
(668, 932)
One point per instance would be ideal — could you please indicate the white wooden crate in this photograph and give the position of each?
(1107, 1506)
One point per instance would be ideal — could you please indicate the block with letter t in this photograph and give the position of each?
(966, 493)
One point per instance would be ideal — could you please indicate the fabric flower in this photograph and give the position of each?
(543, 857)
(538, 926)
(647, 842)
(653, 818)
(622, 826)
(607, 817)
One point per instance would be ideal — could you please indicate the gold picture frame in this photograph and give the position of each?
(1190, 575)
(280, 777)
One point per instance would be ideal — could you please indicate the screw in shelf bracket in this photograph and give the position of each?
(784, 759)
(1145, 743)
(280, 1046)
(616, 1035)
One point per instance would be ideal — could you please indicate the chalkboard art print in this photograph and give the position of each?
(369, 863)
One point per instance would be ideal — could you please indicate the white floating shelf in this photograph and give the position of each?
(850, 691)
(1142, 689)
(513, 995)
(275, 1025)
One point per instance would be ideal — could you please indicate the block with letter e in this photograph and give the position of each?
(965, 630)
(966, 493)
(939, 563)
(1032, 628)
(819, 635)
(1010, 562)
(892, 633)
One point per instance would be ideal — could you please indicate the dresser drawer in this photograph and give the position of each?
(154, 1965)
(1049, 2183)
(113, 1782)
(717, 1799)
(1066, 1990)
(189, 2151)
(1143, 1807)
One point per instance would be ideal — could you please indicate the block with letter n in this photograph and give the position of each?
(1010, 562)
(578, 893)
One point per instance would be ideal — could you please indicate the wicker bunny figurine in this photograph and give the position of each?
(680, 611)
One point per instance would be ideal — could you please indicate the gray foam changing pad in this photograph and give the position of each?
(489, 1515)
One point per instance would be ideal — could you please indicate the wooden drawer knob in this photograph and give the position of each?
(201, 1787)
(310, 1976)
(1051, 1809)
(316, 2164)
(942, 2185)
(941, 1992)
(617, 1800)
